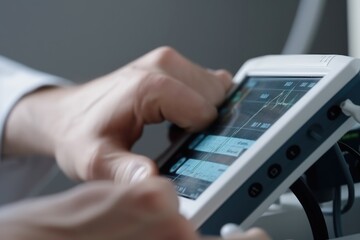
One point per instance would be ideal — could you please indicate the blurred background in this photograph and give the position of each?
(83, 39)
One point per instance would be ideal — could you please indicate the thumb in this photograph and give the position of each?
(121, 165)
(127, 167)
(251, 234)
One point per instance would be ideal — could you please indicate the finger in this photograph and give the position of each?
(230, 229)
(127, 167)
(109, 160)
(224, 76)
(156, 193)
(251, 234)
(154, 209)
(212, 85)
(162, 97)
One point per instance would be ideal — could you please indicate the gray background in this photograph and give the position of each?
(83, 39)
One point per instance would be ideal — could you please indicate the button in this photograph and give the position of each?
(333, 112)
(292, 152)
(316, 132)
(274, 170)
(255, 189)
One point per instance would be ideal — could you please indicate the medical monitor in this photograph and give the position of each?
(281, 116)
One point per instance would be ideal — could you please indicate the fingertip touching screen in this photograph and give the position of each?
(253, 107)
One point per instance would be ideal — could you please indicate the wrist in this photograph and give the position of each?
(31, 125)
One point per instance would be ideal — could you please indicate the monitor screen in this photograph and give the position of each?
(249, 112)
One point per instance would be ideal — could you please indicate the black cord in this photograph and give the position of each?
(337, 212)
(347, 174)
(312, 209)
(348, 177)
(350, 149)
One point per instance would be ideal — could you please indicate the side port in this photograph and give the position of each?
(293, 152)
(333, 112)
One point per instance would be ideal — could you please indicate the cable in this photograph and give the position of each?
(348, 178)
(312, 209)
(337, 193)
(337, 212)
(354, 153)
(304, 27)
(350, 150)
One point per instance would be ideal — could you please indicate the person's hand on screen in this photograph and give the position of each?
(91, 128)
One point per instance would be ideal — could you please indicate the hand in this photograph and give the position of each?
(91, 128)
(102, 210)
(99, 210)
(231, 231)
(251, 234)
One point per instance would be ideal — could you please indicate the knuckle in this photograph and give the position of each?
(164, 55)
(160, 81)
(149, 94)
(155, 82)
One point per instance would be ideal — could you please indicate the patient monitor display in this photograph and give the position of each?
(284, 113)
(250, 111)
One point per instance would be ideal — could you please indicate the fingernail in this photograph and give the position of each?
(138, 174)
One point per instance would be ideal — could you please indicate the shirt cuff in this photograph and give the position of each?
(16, 81)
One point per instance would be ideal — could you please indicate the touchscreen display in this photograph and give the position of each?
(250, 111)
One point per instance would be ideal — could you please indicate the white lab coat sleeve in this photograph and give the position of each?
(18, 177)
